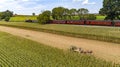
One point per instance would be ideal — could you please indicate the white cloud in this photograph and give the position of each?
(85, 2)
(30, 6)
(20, 6)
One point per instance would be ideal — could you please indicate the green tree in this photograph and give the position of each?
(82, 13)
(44, 17)
(66, 14)
(58, 13)
(111, 8)
(33, 14)
(6, 15)
(73, 12)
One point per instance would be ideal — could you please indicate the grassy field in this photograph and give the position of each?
(20, 52)
(100, 17)
(97, 17)
(22, 18)
(110, 34)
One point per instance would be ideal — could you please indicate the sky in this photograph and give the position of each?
(27, 7)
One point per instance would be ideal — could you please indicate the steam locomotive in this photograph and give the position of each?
(87, 22)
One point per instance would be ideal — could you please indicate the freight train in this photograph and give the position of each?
(87, 22)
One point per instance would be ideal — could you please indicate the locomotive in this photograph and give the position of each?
(88, 22)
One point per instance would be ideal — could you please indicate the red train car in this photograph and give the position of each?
(87, 22)
(117, 23)
(76, 22)
(58, 22)
(98, 22)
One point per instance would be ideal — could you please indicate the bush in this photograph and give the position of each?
(7, 19)
(44, 17)
(41, 19)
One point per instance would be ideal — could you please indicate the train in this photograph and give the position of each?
(87, 22)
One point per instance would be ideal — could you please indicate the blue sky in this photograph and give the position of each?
(27, 7)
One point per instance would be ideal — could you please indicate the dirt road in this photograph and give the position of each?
(105, 50)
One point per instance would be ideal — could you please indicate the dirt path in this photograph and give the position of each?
(105, 50)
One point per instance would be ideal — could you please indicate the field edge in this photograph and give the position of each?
(85, 36)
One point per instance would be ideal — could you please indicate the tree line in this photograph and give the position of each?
(6, 15)
(111, 9)
(61, 13)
